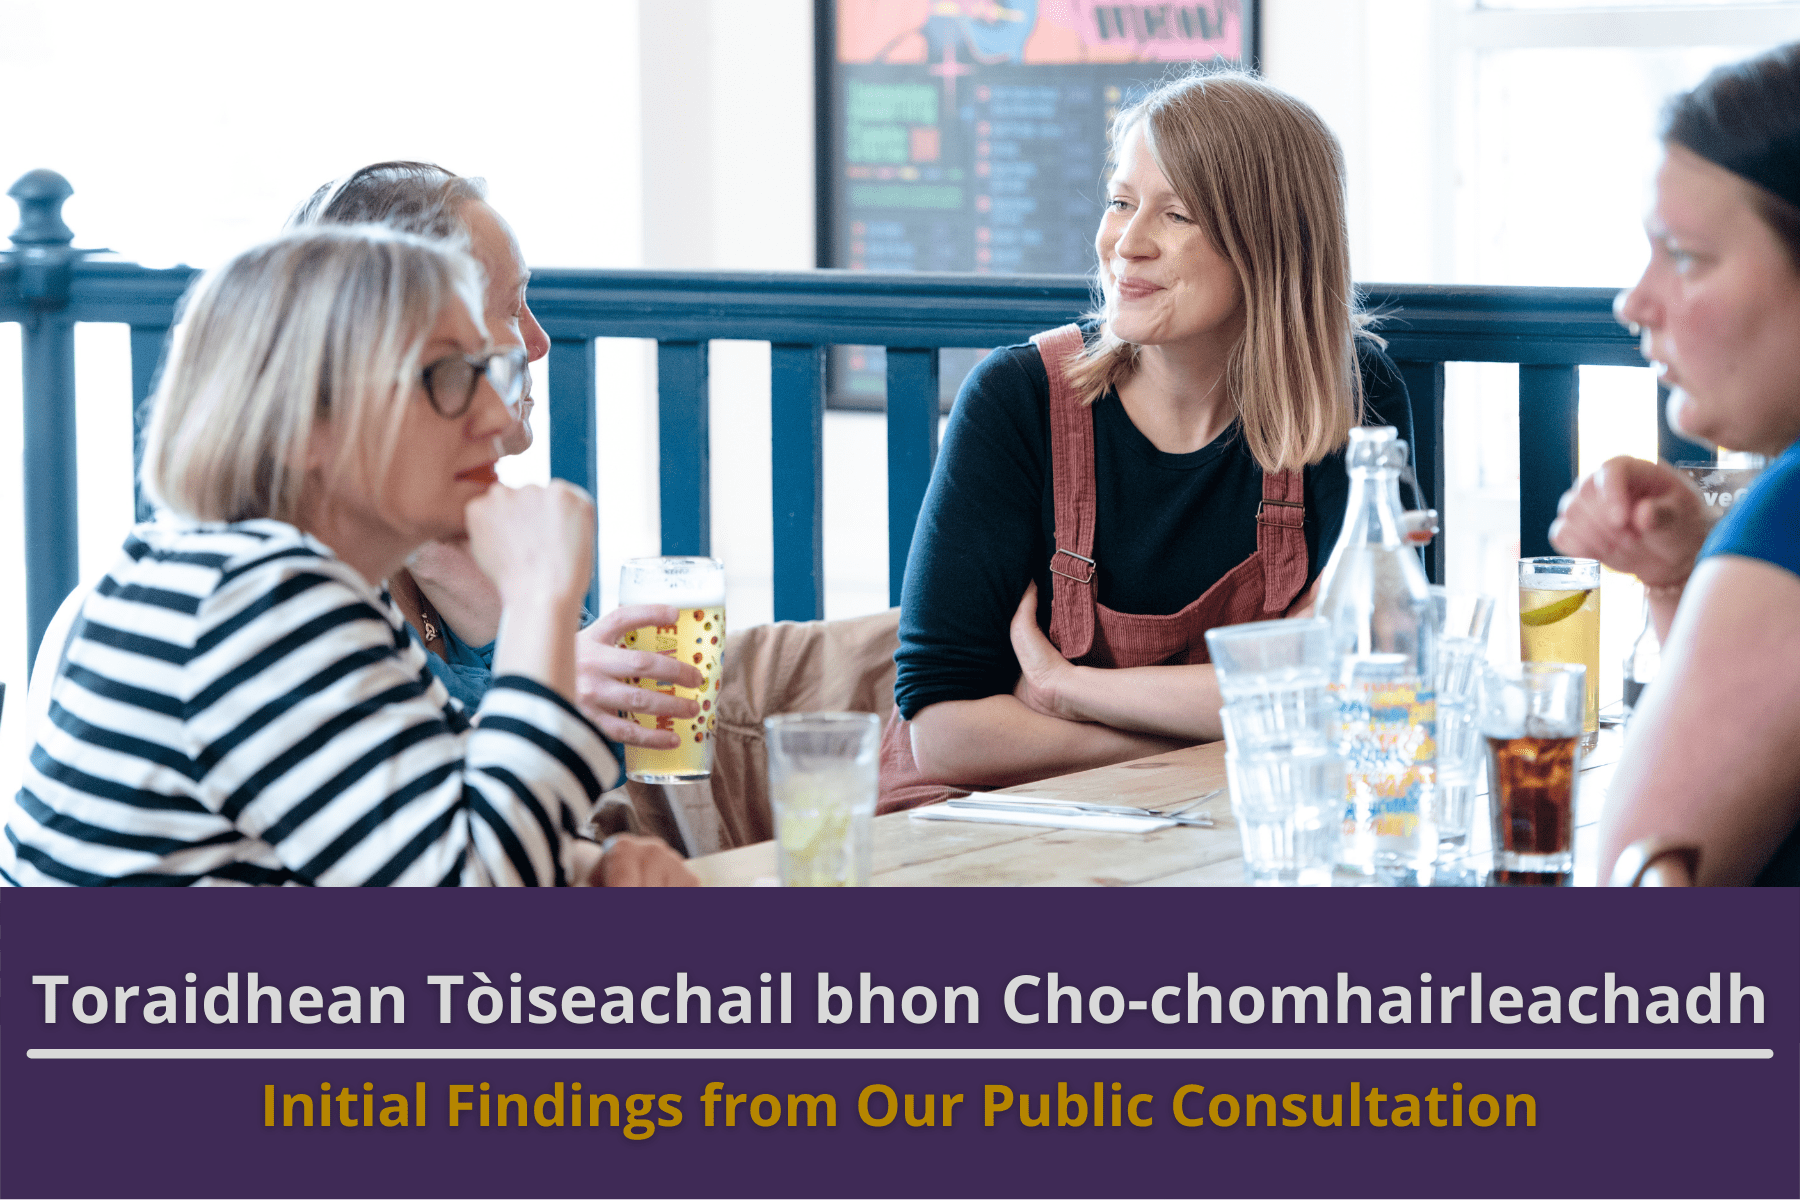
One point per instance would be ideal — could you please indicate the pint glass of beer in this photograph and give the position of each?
(695, 586)
(1530, 717)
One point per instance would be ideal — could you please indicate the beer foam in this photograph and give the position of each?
(680, 591)
(681, 594)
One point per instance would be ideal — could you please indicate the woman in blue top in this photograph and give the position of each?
(1713, 757)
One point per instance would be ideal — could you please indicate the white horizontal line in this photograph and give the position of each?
(738, 1053)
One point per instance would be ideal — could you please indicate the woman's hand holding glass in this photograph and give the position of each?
(605, 675)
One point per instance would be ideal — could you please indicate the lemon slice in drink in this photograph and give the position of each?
(805, 830)
(801, 829)
(813, 846)
(1550, 614)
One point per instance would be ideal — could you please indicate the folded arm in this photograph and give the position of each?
(999, 742)
(1062, 718)
(1174, 702)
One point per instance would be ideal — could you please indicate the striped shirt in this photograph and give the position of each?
(239, 706)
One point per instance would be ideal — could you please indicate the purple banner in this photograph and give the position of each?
(1046, 1043)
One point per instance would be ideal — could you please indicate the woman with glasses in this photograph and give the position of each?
(451, 606)
(239, 703)
(1709, 762)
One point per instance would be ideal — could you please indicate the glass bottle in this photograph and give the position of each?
(1374, 593)
(1641, 662)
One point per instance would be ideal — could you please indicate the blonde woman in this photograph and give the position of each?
(1112, 490)
(239, 702)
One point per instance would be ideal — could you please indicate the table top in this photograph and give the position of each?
(914, 853)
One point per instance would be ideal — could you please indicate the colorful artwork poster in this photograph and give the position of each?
(1026, 31)
(970, 135)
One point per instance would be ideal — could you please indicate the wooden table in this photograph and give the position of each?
(912, 853)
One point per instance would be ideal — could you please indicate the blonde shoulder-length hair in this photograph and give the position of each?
(1264, 178)
(323, 326)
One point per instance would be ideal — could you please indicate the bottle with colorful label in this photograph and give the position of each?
(1374, 593)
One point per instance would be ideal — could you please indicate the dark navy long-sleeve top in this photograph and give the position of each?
(1168, 526)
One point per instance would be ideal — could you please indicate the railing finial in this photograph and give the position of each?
(40, 195)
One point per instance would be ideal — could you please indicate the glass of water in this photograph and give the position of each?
(1463, 620)
(1289, 807)
(822, 783)
(1273, 677)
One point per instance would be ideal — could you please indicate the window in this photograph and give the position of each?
(1553, 113)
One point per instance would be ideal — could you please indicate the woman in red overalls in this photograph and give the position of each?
(1110, 492)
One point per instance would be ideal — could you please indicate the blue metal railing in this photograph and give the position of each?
(47, 287)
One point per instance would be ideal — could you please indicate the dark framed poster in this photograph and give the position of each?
(970, 135)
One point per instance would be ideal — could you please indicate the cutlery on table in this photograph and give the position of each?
(1044, 804)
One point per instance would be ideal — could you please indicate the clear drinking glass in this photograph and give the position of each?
(1559, 622)
(1530, 718)
(695, 586)
(1462, 625)
(1255, 654)
(1642, 662)
(1289, 809)
(1465, 616)
(1723, 483)
(822, 782)
(1274, 677)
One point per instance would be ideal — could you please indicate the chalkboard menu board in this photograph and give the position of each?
(970, 135)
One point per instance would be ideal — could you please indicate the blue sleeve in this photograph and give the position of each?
(1765, 524)
(979, 537)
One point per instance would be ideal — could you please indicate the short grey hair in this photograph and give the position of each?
(413, 197)
(322, 324)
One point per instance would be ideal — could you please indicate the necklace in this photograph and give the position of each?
(429, 620)
(418, 611)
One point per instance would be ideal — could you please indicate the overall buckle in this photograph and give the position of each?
(1092, 567)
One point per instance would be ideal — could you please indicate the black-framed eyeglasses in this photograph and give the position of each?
(450, 382)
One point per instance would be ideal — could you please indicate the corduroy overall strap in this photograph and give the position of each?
(1072, 565)
(1281, 538)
